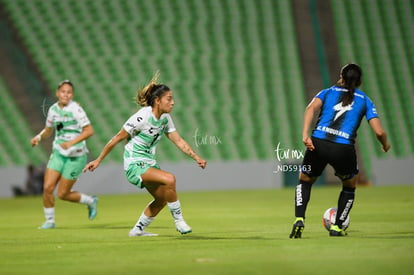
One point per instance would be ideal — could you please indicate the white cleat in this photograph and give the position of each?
(182, 227)
(47, 225)
(139, 233)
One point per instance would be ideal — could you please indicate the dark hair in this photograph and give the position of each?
(147, 95)
(351, 75)
(66, 81)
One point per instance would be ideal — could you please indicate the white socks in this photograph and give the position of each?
(85, 199)
(143, 222)
(49, 214)
(175, 208)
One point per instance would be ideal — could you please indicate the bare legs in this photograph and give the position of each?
(52, 178)
(161, 185)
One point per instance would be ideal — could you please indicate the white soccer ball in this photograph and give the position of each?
(329, 218)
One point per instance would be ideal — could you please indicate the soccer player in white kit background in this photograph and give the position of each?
(143, 130)
(72, 127)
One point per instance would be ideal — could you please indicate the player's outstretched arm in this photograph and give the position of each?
(310, 111)
(380, 133)
(186, 148)
(91, 166)
(45, 133)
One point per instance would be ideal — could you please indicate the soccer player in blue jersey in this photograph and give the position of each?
(142, 131)
(342, 107)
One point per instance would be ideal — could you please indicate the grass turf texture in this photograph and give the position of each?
(234, 232)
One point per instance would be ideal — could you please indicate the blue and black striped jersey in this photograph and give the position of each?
(339, 123)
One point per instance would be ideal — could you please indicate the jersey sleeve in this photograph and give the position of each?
(371, 110)
(322, 94)
(49, 118)
(134, 123)
(170, 125)
(81, 117)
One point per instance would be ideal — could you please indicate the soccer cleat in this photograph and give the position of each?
(47, 225)
(182, 227)
(93, 209)
(138, 233)
(335, 231)
(297, 229)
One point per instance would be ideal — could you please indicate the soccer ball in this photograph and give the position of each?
(329, 218)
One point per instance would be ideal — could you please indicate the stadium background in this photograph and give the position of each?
(242, 72)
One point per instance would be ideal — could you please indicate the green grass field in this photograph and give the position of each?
(234, 232)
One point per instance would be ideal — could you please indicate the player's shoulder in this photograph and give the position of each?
(53, 108)
(147, 110)
(166, 115)
(330, 90)
(360, 94)
(336, 90)
(76, 108)
(74, 105)
(54, 105)
(143, 113)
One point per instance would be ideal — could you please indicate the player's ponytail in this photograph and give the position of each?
(147, 95)
(351, 75)
(144, 93)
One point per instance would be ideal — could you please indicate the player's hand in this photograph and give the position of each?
(35, 141)
(385, 148)
(66, 145)
(91, 166)
(308, 143)
(201, 162)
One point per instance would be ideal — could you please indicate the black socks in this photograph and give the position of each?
(345, 202)
(302, 196)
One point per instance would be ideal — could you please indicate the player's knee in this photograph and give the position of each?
(305, 178)
(349, 184)
(48, 188)
(170, 181)
(62, 194)
(349, 180)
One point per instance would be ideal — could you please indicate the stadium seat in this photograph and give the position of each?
(16, 135)
(232, 64)
(375, 34)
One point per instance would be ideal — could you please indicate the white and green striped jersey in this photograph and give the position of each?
(145, 131)
(68, 123)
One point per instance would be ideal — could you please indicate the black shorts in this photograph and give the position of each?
(342, 157)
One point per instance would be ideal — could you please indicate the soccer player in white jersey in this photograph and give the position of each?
(72, 128)
(143, 130)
